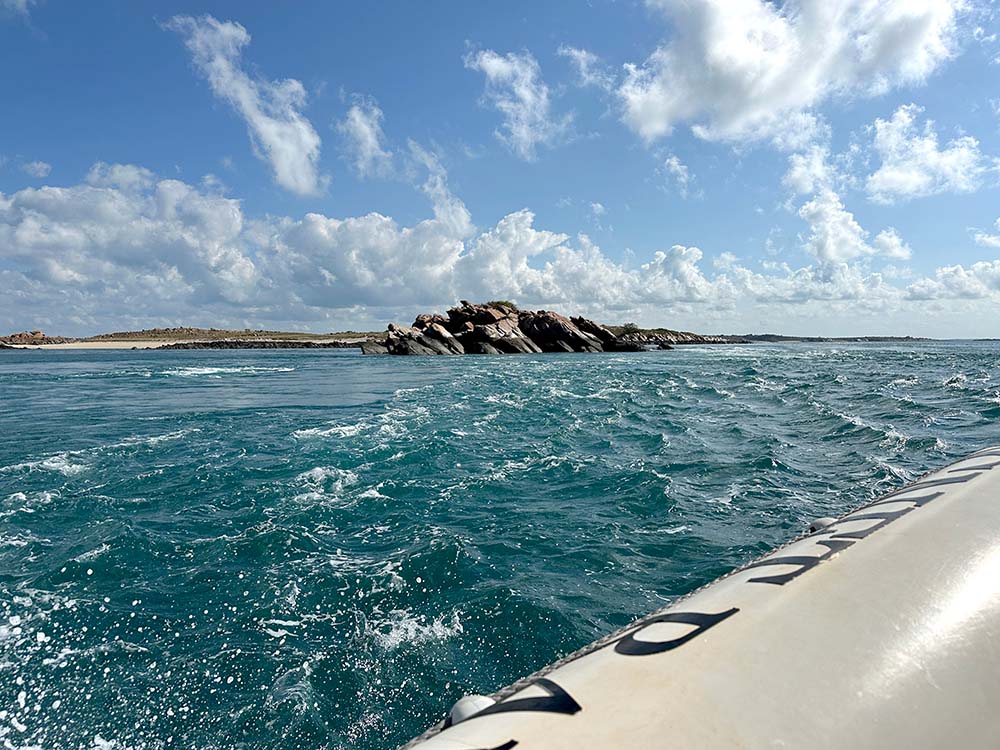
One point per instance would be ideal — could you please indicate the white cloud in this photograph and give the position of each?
(889, 244)
(743, 70)
(836, 237)
(980, 281)
(590, 71)
(127, 177)
(126, 242)
(678, 172)
(597, 209)
(809, 170)
(37, 169)
(985, 238)
(279, 132)
(913, 164)
(362, 129)
(514, 87)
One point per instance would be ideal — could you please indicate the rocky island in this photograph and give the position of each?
(496, 327)
(501, 328)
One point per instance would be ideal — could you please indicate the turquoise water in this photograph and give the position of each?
(302, 549)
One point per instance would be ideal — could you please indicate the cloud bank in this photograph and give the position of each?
(126, 248)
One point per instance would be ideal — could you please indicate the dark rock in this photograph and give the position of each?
(481, 347)
(504, 336)
(373, 347)
(436, 330)
(594, 329)
(403, 340)
(553, 332)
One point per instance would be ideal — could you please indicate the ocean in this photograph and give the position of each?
(315, 549)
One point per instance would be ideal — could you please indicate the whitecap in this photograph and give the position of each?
(215, 372)
(320, 475)
(347, 430)
(60, 462)
(955, 381)
(402, 627)
(92, 554)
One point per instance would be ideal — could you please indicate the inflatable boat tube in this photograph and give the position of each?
(880, 629)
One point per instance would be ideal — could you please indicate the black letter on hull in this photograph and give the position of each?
(630, 646)
(805, 563)
(558, 701)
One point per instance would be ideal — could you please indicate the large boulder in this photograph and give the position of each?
(374, 347)
(553, 332)
(608, 339)
(438, 332)
(426, 336)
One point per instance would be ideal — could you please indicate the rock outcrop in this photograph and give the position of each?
(498, 328)
(33, 338)
(665, 339)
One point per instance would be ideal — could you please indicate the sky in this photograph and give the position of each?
(826, 167)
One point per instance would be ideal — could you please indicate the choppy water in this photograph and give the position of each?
(298, 549)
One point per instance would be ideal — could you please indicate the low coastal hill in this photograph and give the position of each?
(189, 338)
(216, 334)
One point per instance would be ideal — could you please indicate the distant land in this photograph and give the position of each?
(154, 338)
(222, 338)
(774, 338)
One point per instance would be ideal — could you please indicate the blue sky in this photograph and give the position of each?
(820, 166)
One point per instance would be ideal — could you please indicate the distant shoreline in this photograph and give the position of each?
(219, 339)
(160, 344)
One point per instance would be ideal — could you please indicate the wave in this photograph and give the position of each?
(71, 463)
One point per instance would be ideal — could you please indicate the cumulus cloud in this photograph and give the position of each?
(127, 248)
(809, 170)
(514, 87)
(914, 164)
(836, 237)
(979, 281)
(590, 70)
(37, 169)
(279, 132)
(128, 242)
(362, 132)
(742, 70)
